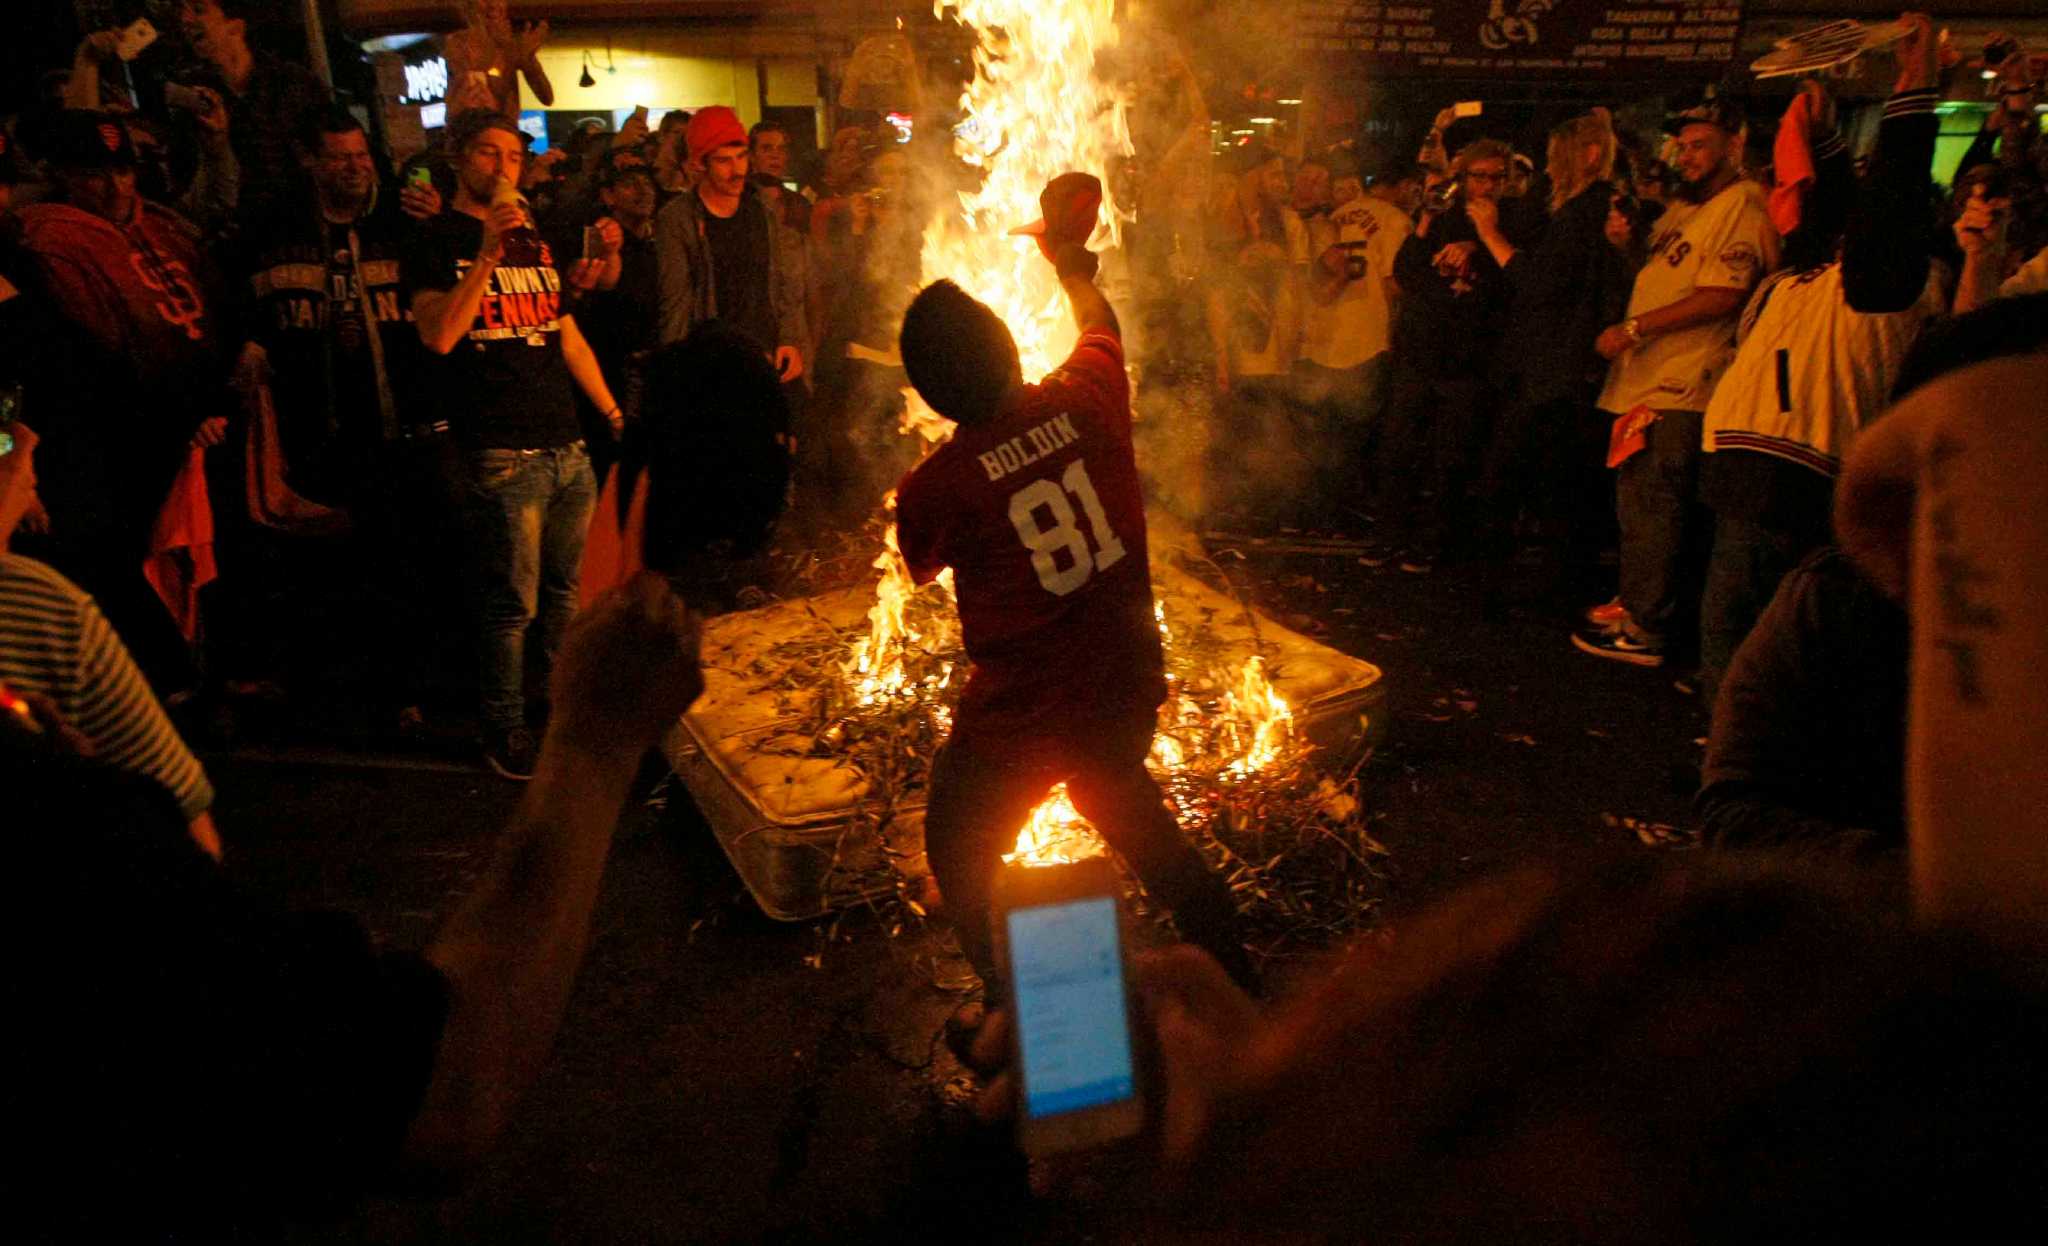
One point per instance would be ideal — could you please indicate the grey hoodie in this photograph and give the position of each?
(688, 293)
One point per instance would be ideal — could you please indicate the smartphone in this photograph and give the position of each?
(10, 411)
(593, 242)
(1467, 108)
(639, 114)
(134, 39)
(1060, 932)
(421, 176)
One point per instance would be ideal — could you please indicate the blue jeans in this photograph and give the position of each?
(1664, 528)
(527, 511)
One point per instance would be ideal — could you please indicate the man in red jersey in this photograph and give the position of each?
(1035, 504)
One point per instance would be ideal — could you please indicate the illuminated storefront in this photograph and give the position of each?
(605, 58)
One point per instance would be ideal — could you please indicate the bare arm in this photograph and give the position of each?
(217, 184)
(525, 57)
(1702, 306)
(511, 951)
(583, 367)
(537, 79)
(444, 316)
(82, 88)
(1076, 268)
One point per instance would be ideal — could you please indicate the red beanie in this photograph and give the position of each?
(713, 128)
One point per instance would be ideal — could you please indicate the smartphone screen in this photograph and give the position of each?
(1073, 1031)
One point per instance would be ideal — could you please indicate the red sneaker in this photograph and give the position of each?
(1608, 614)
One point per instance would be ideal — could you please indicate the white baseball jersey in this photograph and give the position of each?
(1353, 327)
(1811, 371)
(1726, 243)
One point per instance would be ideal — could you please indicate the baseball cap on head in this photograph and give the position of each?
(713, 128)
(471, 122)
(1724, 114)
(621, 163)
(79, 138)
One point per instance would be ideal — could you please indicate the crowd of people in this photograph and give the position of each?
(307, 421)
(264, 404)
(1664, 349)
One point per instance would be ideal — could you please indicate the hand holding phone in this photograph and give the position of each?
(134, 39)
(1073, 1032)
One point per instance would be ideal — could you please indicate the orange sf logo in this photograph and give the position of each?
(180, 303)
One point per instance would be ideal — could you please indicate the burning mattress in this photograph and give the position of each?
(807, 828)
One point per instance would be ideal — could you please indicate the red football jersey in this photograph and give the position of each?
(1040, 515)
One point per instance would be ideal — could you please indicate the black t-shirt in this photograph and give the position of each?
(505, 386)
(300, 281)
(739, 270)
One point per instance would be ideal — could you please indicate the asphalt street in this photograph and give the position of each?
(724, 1077)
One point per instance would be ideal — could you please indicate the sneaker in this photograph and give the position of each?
(1620, 647)
(511, 753)
(1608, 615)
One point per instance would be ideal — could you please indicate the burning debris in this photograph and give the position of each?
(811, 746)
(809, 750)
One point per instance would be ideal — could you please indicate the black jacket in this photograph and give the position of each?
(1567, 285)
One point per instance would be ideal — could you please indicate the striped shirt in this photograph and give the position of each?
(54, 640)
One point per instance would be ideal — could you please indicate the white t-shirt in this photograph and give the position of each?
(1353, 327)
(1275, 304)
(1726, 243)
(1811, 371)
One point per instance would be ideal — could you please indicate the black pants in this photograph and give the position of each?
(1436, 431)
(1547, 460)
(982, 793)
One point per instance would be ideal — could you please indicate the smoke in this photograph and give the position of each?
(1151, 137)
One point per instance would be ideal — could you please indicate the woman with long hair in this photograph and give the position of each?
(1545, 456)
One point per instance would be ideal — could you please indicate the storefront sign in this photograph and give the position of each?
(427, 81)
(1524, 38)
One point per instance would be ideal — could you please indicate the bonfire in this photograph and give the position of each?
(806, 708)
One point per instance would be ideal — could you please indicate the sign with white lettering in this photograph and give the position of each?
(427, 81)
(1525, 38)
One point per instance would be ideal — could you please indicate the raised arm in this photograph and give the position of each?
(443, 317)
(1891, 230)
(511, 951)
(1076, 268)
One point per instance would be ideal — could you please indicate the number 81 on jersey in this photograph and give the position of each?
(1045, 542)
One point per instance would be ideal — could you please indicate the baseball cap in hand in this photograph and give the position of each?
(81, 138)
(1068, 207)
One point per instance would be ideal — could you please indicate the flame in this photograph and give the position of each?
(1258, 719)
(1055, 834)
(876, 667)
(1036, 109)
